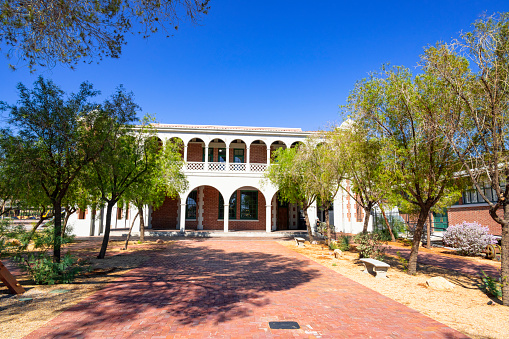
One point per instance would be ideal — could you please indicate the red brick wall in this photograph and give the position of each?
(165, 217)
(258, 154)
(211, 213)
(479, 214)
(194, 152)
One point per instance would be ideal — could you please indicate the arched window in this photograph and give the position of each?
(191, 205)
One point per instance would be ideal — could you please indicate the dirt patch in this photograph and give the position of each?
(41, 303)
(465, 308)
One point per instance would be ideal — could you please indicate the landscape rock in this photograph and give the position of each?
(159, 241)
(314, 242)
(440, 283)
(338, 253)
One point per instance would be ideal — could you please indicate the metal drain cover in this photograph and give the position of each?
(284, 325)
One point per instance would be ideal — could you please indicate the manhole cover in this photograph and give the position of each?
(284, 325)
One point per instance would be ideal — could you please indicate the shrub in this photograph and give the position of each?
(468, 238)
(491, 286)
(343, 243)
(370, 245)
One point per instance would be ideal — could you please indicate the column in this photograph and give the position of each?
(200, 208)
(182, 218)
(226, 216)
(312, 217)
(248, 162)
(274, 213)
(268, 218)
(185, 153)
(268, 155)
(206, 168)
(227, 160)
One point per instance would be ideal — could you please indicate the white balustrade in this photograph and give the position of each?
(217, 166)
(258, 167)
(195, 166)
(238, 167)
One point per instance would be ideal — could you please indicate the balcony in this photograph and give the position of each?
(235, 167)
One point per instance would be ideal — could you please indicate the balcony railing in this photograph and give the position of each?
(221, 167)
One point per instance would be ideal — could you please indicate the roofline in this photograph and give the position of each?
(221, 129)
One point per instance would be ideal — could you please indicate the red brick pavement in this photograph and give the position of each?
(232, 289)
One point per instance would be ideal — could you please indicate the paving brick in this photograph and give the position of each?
(232, 289)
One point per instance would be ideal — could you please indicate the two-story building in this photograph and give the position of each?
(225, 167)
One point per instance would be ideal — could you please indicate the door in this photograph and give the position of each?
(440, 220)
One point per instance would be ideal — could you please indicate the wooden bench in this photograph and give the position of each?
(376, 267)
(299, 241)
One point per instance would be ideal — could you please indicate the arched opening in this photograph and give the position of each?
(237, 155)
(258, 152)
(274, 147)
(296, 144)
(249, 210)
(217, 155)
(180, 143)
(196, 150)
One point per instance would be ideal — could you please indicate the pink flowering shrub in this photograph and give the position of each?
(468, 238)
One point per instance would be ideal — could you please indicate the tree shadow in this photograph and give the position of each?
(187, 284)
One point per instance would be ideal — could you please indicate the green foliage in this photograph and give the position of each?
(11, 237)
(44, 271)
(370, 245)
(491, 285)
(50, 32)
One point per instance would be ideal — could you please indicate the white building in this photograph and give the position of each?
(227, 192)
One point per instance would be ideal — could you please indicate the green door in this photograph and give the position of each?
(440, 221)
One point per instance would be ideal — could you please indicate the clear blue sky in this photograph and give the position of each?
(266, 63)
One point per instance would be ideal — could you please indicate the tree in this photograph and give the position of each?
(49, 32)
(396, 108)
(290, 175)
(54, 138)
(164, 179)
(475, 70)
(130, 156)
(361, 156)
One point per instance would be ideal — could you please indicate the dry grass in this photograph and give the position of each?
(466, 308)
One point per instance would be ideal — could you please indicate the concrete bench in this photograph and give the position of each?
(299, 241)
(376, 267)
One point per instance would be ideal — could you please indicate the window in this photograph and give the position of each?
(191, 205)
(238, 155)
(211, 155)
(221, 155)
(119, 213)
(81, 213)
(232, 210)
(471, 196)
(249, 205)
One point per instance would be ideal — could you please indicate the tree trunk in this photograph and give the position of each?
(412, 261)
(308, 224)
(428, 232)
(92, 222)
(142, 223)
(68, 213)
(101, 222)
(367, 212)
(57, 241)
(387, 223)
(505, 257)
(129, 234)
(106, 237)
(327, 222)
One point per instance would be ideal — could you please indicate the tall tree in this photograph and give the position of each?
(130, 156)
(475, 69)
(49, 32)
(420, 165)
(54, 137)
(361, 156)
(164, 179)
(291, 175)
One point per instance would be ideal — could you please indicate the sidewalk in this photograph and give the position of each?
(233, 289)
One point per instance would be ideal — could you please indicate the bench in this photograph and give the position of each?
(299, 241)
(376, 267)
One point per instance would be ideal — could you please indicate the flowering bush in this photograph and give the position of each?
(468, 238)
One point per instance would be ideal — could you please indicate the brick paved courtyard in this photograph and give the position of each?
(233, 289)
